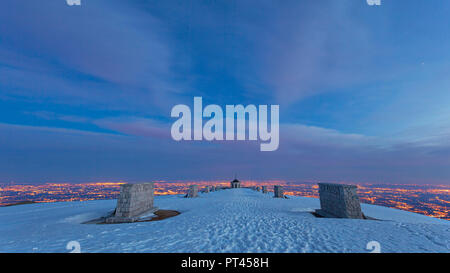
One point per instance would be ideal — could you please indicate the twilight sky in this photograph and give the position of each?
(86, 91)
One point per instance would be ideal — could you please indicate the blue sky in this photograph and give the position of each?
(86, 91)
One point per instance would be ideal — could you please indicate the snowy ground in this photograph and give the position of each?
(235, 220)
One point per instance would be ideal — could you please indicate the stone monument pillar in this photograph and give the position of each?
(339, 201)
(134, 201)
(192, 192)
(264, 189)
(278, 191)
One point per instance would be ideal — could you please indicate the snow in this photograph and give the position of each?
(234, 220)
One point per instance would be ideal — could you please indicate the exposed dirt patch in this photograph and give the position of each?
(364, 216)
(160, 215)
(316, 214)
(163, 214)
(19, 203)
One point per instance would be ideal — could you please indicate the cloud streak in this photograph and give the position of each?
(107, 54)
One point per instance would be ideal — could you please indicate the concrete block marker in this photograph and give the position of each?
(192, 192)
(134, 201)
(339, 201)
(264, 189)
(278, 191)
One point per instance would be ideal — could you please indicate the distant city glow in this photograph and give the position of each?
(430, 200)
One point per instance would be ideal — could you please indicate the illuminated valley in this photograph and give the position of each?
(431, 200)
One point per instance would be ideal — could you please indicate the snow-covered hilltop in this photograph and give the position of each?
(234, 220)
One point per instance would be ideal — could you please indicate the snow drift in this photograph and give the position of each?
(234, 220)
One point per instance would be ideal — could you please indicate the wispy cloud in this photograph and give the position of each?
(143, 127)
(104, 52)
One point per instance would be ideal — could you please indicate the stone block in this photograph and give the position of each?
(339, 201)
(264, 189)
(134, 200)
(278, 191)
(192, 192)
